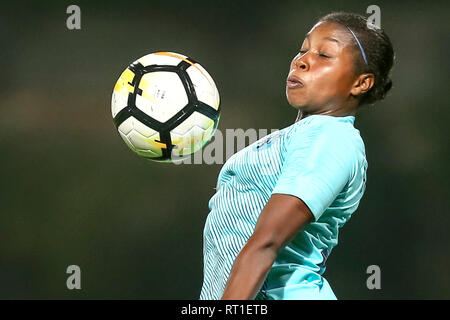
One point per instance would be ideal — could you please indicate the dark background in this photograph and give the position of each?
(72, 193)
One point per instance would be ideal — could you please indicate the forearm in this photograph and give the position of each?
(249, 271)
(282, 218)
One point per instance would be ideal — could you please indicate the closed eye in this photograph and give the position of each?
(302, 52)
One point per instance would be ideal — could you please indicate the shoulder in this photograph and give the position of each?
(326, 127)
(328, 136)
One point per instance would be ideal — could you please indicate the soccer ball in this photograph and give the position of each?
(165, 106)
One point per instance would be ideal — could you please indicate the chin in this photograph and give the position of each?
(292, 102)
(296, 104)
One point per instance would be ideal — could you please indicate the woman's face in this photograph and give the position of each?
(322, 74)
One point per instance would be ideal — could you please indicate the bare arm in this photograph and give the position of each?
(281, 219)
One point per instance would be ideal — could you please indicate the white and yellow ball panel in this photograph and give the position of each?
(204, 85)
(140, 138)
(162, 58)
(192, 134)
(121, 90)
(163, 95)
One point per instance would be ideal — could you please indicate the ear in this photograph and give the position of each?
(362, 84)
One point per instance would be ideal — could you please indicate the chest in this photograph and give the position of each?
(258, 163)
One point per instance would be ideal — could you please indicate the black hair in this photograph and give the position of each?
(377, 47)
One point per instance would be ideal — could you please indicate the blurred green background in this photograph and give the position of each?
(72, 193)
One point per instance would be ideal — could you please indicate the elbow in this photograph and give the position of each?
(257, 255)
(264, 244)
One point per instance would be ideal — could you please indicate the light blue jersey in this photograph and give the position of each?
(321, 160)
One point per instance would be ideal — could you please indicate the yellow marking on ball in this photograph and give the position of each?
(158, 144)
(144, 84)
(123, 84)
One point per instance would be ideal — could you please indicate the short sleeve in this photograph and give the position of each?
(318, 163)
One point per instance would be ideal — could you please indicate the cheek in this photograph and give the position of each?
(331, 80)
(324, 82)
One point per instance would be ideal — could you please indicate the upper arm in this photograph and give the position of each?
(319, 163)
(281, 219)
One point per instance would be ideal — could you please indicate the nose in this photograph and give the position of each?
(301, 63)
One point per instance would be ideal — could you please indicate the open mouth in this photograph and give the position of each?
(293, 82)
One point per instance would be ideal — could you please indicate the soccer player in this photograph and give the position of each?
(281, 201)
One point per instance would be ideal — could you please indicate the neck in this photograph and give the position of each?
(302, 114)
